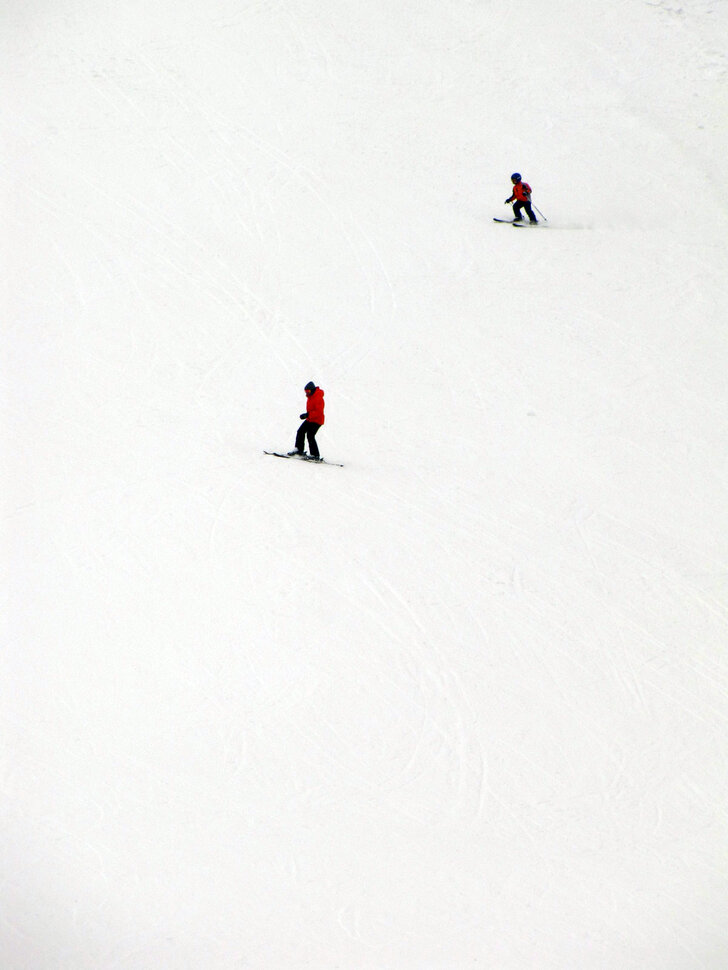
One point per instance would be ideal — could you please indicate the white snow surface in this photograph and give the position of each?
(463, 702)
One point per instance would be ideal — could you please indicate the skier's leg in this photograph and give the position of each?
(517, 206)
(299, 437)
(311, 430)
(529, 212)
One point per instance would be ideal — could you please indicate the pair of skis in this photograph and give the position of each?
(520, 223)
(316, 461)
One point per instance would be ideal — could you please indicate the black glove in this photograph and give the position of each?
(303, 417)
(507, 201)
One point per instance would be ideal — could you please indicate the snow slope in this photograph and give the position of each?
(462, 702)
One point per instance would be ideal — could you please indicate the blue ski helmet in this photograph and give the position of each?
(310, 387)
(516, 177)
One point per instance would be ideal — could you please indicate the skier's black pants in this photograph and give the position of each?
(308, 430)
(517, 206)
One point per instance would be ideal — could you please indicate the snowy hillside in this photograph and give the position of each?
(462, 702)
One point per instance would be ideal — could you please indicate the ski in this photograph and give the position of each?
(528, 225)
(521, 223)
(316, 461)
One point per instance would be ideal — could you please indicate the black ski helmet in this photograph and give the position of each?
(310, 387)
(516, 177)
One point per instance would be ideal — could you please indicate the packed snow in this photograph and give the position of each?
(464, 701)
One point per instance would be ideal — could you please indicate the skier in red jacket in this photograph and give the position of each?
(312, 421)
(521, 199)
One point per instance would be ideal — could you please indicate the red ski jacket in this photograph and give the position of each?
(315, 406)
(522, 192)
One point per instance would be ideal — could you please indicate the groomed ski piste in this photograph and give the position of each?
(462, 702)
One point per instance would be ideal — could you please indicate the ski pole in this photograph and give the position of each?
(539, 212)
